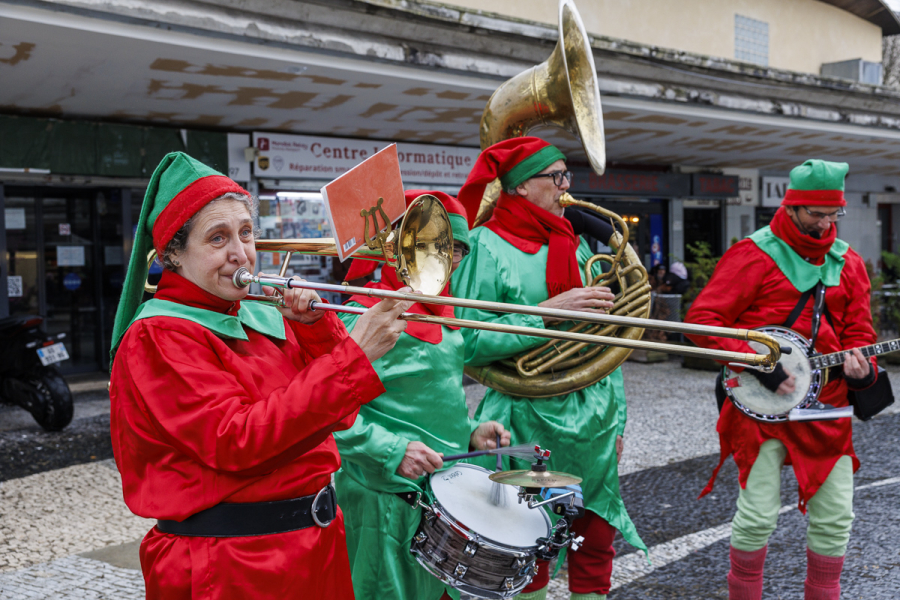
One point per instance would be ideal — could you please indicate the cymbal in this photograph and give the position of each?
(534, 478)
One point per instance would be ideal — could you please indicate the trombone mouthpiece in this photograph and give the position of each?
(242, 278)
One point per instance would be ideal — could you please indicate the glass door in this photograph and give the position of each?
(69, 276)
(25, 294)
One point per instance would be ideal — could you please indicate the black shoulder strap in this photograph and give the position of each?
(818, 294)
(818, 306)
(801, 304)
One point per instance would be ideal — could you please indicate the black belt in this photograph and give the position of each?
(258, 518)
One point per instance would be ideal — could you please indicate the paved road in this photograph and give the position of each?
(65, 532)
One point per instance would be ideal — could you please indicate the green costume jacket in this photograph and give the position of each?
(579, 428)
(424, 402)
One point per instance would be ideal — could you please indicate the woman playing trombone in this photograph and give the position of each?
(223, 411)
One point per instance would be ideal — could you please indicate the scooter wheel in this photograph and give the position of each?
(57, 401)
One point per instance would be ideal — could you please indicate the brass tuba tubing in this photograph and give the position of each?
(243, 278)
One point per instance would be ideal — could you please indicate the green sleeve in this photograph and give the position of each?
(368, 444)
(617, 384)
(479, 278)
(371, 447)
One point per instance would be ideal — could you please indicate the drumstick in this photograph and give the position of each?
(522, 450)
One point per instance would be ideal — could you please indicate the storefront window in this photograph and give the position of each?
(297, 215)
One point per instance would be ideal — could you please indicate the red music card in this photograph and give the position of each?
(360, 188)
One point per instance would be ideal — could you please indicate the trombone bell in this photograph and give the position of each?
(421, 248)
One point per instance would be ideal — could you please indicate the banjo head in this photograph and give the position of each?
(756, 401)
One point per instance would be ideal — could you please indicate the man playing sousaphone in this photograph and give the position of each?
(527, 253)
(761, 281)
(223, 409)
(401, 436)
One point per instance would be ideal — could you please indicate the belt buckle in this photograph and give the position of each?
(315, 503)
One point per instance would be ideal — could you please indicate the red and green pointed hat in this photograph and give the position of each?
(817, 183)
(513, 161)
(179, 187)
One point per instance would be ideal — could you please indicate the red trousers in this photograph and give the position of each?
(590, 567)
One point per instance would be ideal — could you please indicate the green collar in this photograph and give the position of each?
(802, 275)
(260, 317)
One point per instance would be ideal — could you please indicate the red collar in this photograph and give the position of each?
(175, 288)
(805, 245)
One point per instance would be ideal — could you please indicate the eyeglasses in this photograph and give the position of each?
(459, 252)
(818, 216)
(557, 177)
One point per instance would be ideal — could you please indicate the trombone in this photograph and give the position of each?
(421, 250)
(764, 362)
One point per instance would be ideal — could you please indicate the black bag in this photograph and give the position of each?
(869, 402)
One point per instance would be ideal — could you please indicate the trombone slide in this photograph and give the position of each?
(553, 334)
(243, 278)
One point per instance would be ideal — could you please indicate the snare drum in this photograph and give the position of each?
(484, 549)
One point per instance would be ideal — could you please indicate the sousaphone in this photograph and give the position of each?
(563, 92)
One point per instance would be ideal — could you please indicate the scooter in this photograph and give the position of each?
(28, 377)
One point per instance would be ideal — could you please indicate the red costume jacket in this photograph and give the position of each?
(748, 290)
(197, 420)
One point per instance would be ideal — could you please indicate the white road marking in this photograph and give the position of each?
(879, 483)
(631, 567)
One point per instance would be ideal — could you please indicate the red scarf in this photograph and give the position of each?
(421, 331)
(528, 228)
(805, 245)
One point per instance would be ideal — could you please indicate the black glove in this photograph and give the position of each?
(772, 380)
(863, 382)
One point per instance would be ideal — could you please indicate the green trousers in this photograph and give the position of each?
(830, 510)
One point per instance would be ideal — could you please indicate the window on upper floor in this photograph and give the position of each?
(751, 40)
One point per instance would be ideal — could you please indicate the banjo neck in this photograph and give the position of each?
(823, 361)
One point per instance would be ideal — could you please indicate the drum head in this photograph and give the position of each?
(753, 395)
(464, 491)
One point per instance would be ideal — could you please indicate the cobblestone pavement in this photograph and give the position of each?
(65, 532)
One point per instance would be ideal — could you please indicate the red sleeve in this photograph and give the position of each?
(731, 290)
(857, 330)
(322, 336)
(204, 407)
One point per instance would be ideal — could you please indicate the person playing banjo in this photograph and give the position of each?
(762, 281)
(527, 253)
(401, 436)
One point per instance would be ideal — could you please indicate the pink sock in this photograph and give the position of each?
(823, 576)
(745, 580)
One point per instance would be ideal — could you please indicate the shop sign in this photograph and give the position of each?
(65, 229)
(748, 187)
(706, 185)
(774, 189)
(283, 156)
(625, 183)
(14, 286)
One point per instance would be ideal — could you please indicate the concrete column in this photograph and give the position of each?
(676, 229)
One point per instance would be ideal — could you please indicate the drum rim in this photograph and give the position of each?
(815, 386)
(479, 538)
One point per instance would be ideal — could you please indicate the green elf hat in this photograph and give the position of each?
(514, 161)
(179, 187)
(817, 183)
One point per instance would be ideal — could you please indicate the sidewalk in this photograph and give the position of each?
(67, 533)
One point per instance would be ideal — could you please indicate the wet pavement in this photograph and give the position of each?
(65, 532)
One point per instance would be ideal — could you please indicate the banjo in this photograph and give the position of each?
(811, 373)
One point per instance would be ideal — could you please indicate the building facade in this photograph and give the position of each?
(707, 105)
